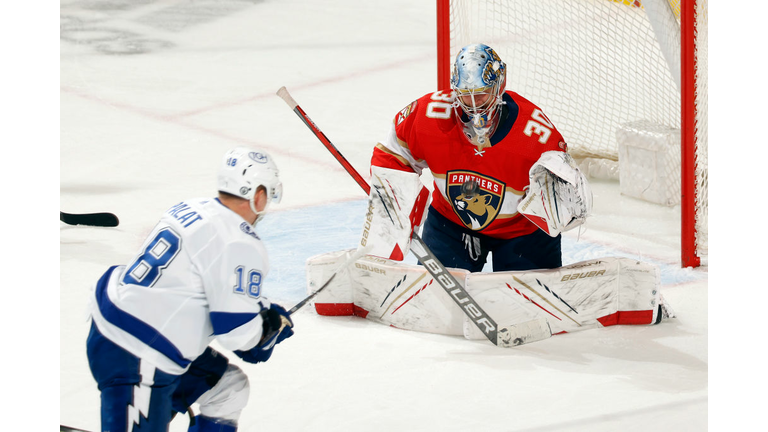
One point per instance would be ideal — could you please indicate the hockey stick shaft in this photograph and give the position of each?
(89, 219)
(428, 259)
(283, 93)
(285, 322)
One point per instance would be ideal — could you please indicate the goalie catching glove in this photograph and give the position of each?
(559, 197)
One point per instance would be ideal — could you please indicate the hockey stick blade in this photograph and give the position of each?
(90, 219)
(71, 429)
(435, 268)
(522, 333)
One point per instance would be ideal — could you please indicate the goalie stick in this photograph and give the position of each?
(89, 219)
(504, 336)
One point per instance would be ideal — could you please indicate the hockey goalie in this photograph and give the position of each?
(504, 190)
(534, 304)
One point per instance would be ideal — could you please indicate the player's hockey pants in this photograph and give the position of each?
(135, 396)
(459, 247)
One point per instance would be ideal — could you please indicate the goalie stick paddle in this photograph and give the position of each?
(89, 219)
(505, 337)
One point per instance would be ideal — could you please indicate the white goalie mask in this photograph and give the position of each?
(478, 79)
(243, 170)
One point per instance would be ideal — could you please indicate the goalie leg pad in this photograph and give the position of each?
(405, 296)
(586, 295)
(336, 299)
(386, 291)
(517, 324)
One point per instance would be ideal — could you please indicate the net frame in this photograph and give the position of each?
(671, 65)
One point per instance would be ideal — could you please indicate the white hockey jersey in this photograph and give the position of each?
(197, 278)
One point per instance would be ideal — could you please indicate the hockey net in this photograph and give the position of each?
(595, 66)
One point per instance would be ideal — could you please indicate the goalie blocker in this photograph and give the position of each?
(585, 295)
(396, 205)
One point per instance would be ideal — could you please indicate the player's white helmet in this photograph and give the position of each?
(479, 79)
(243, 170)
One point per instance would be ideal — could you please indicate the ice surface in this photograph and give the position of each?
(153, 92)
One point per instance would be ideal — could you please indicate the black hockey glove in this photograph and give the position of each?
(276, 327)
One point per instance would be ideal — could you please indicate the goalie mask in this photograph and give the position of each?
(243, 170)
(478, 79)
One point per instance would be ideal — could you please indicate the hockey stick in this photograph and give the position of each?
(89, 219)
(505, 336)
(285, 322)
(71, 429)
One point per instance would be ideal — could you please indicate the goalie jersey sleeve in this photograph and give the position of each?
(425, 134)
(197, 277)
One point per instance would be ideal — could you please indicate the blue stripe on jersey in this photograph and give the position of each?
(225, 322)
(509, 112)
(136, 327)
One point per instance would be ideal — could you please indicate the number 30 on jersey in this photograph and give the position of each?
(441, 106)
(539, 125)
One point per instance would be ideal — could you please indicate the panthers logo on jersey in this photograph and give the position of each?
(475, 198)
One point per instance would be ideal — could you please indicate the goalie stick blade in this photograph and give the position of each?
(523, 333)
(90, 219)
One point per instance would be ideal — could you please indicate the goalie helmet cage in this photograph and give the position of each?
(595, 65)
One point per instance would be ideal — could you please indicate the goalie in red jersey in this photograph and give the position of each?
(503, 181)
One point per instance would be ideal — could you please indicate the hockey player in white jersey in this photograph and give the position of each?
(197, 278)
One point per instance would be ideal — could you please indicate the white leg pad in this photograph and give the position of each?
(531, 304)
(226, 400)
(405, 296)
(336, 299)
(504, 307)
(585, 295)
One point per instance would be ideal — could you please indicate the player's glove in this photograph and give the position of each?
(276, 327)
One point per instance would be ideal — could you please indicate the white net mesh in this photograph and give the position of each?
(592, 66)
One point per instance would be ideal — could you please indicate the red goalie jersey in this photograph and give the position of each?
(426, 134)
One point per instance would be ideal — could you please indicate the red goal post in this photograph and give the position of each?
(597, 66)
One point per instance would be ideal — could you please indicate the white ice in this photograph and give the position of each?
(151, 95)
